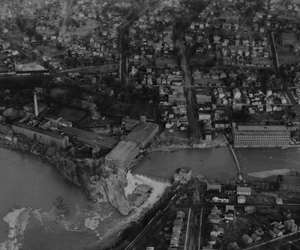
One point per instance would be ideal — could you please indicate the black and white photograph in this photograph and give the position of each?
(149, 124)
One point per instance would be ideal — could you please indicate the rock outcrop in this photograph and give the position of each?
(99, 181)
(108, 185)
(114, 188)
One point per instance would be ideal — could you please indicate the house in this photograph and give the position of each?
(246, 191)
(255, 237)
(241, 199)
(202, 98)
(129, 123)
(279, 201)
(214, 216)
(290, 183)
(290, 225)
(30, 67)
(233, 246)
(275, 233)
(213, 187)
(278, 225)
(5, 130)
(229, 208)
(247, 239)
(250, 209)
(229, 216)
(259, 232)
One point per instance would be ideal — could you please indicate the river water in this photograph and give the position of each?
(255, 160)
(25, 181)
(217, 163)
(214, 163)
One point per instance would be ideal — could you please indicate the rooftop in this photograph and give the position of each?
(123, 151)
(38, 130)
(141, 133)
(90, 138)
(261, 128)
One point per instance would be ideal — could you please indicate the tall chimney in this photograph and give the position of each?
(36, 107)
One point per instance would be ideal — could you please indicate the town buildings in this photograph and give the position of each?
(42, 136)
(260, 136)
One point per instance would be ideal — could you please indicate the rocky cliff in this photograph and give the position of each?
(99, 181)
(114, 188)
(110, 186)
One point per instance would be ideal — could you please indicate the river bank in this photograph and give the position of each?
(60, 159)
(163, 145)
(158, 189)
(99, 219)
(102, 221)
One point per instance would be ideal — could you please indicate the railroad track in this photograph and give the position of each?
(287, 238)
(146, 229)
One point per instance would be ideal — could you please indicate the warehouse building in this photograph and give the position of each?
(260, 136)
(122, 155)
(143, 134)
(42, 136)
(90, 138)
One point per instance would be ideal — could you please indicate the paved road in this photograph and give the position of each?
(191, 112)
(67, 11)
(123, 40)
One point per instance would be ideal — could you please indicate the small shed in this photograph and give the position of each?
(246, 191)
(214, 187)
(247, 239)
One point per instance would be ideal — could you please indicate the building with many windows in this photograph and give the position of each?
(260, 136)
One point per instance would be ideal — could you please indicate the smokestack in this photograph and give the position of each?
(36, 107)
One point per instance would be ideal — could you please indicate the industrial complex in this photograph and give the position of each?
(98, 89)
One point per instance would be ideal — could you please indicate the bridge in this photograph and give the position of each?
(240, 173)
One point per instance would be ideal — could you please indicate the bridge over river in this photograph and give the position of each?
(218, 163)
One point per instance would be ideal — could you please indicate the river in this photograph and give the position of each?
(255, 160)
(214, 163)
(25, 181)
(217, 163)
